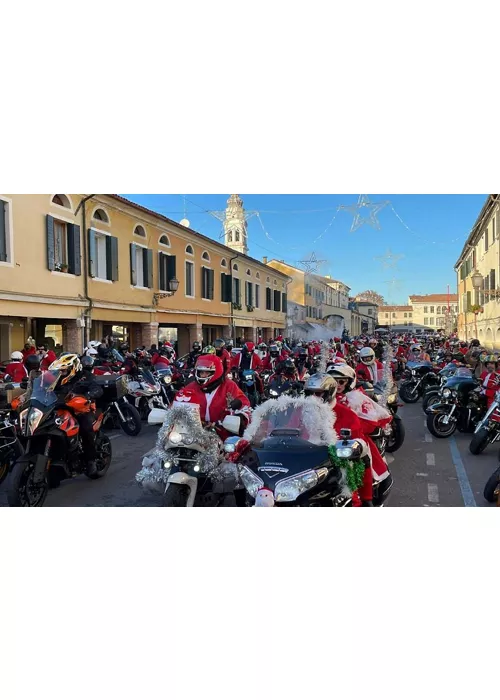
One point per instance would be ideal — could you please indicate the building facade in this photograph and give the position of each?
(76, 267)
(478, 274)
(396, 318)
(435, 311)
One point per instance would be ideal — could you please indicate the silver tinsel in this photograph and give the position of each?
(387, 379)
(326, 352)
(153, 475)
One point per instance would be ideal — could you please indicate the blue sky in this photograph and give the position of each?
(439, 227)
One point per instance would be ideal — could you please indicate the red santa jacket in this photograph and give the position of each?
(216, 405)
(490, 381)
(226, 360)
(16, 371)
(49, 358)
(345, 418)
(160, 360)
(370, 373)
(255, 364)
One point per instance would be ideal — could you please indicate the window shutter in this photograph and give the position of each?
(469, 303)
(51, 253)
(171, 264)
(284, 302)
(3, 231)
(204, 283)
(162, 277)
(92, 253)
(148, 268)
(268, 299)
(257, 294)
(492, 280)
(211, 280)
(277, 300)
(133, 266)
(225, 287)
(236, 291)
(74, 250)
(112, 258)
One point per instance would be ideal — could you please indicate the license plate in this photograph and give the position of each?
(265, 498)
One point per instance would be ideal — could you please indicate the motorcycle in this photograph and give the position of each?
(491, 491)
(164, 377)
(186, 466)
(289, 456)
(432, 394)
(488, 429)
(119, 412)
(281, 385)
(422, 377)
(393, 435)
(10, 446)
(52, 446)
(145, 393)
(461, 406)
(248, 384)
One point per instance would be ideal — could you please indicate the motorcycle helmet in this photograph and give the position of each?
(249, 347)
(68, 366)
(32, 362)
(463, 344)
(367, 356)
(474, 343)
(124, 348)
(209, 350)
(229, 345)
(416, 348)
(103, 351)
(17, 356)
(196, 346)
(289, 368)
(208, 372)
(87, 362)
(274, 351)
(262, 346)
(344, 375)
(321, 385)
(219, 346)
(373, 342)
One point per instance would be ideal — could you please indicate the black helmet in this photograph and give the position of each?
(32, 362)
(103, 351)
(123, 348)
(196, 345)
(87, 362)
(219, 344)
(474, 343)
(289, 366)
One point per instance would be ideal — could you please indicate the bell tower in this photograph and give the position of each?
(235, 225)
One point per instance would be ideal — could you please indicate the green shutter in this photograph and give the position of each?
(162, 277)
(268, 299)
(225, 287)
(133, 266)
(3, 231)
(171, 260)
(74, 250)
(284, 302)
(92, 254)
(277, 300)
(204, 282)
(112, 258)
(148, 268)
(211, 278)
(51, 253)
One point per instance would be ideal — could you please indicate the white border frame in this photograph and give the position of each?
(10, 233)
(138, 235)
(164, 245)
(138, 286)
(207, 259)
(186, 252)
(223, 260)
(106, 223)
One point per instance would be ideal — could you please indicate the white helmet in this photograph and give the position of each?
(17, 356)
(343, 371)
(367, 356)
(90, 351)
(416, 348)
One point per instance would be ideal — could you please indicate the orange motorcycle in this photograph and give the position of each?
(49, 431)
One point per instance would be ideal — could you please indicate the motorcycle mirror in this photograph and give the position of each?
(236, 404)
(345, 434)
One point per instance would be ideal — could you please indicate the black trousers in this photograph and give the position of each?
(87, 435)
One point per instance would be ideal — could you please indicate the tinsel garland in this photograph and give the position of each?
(326, 349)
(185, 419)
(387, 378)
(353, 471)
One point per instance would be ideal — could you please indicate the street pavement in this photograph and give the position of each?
(427, 472)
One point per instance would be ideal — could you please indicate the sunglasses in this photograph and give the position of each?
(342, 381)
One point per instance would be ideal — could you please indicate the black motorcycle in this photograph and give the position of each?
(120, 413)
(284, 459)
(422, 377)
(247, 381)
(461, 406)
(432, 394)
(492, 489)
(488, 429)
(10, 446)
(392, 437)
(282, 385)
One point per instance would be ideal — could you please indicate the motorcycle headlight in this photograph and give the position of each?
(272, 392)
(167, 379)
(34, 418)
(344, 452)
(251, 481)
(446, 393)
(378, 397)
(392, 398)
(290, 489)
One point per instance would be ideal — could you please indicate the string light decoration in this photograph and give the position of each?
(389, 260)
(364, 206)
(312, 265)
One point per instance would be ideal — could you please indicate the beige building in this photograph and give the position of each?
(364, 317)
(76, 267)
(435, 311)
(397, 318)
(478, 277)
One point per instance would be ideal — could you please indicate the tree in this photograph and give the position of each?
(372, 296)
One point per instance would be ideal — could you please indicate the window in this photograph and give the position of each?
(370, 312)
(100, 215)
(5, 232)
(387, 315)
(268, 279)
(431, 310)
(410, 315)
(230, 237)
(141, 266)
(284, 303)
(393, 315)
(225, 287)
(205, 256)
(62, 200)
(189, 250)
(257, 295)
(166, 270)
(223, 262)
(63, 246)
(189, 288)
(277, 301)
(249, 273)
(60, 244)
(486, 240)
(438, 310)
(431, 321)
(268, 299)
(257, 275)
(406, 315)
(426, 321)
(103, 256)
(249, 293)
(140, 231)
(235, 267)
(426, 309)
(164, 240)
(236, 291)
(207, 283)
(237, 235)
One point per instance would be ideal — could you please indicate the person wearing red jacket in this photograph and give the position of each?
(273, 358)
(15, 370)
(162, 358)
(28, 350)
(490, 379)
(220, 351)
(248, 359)
(369, 369)
(214, 393)
(47, 357)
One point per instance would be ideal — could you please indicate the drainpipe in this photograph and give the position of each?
(233, 329)
(88, 311)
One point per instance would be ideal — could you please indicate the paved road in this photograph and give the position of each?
(427, 472)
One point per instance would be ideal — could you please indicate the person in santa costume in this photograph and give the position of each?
(220, 351)
(214, 393)
(369, 368)
(162, 358)
(490, 378)
(323, 386)
(249, 359)
(273, 358)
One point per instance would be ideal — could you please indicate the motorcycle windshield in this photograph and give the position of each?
(42, 389)
(306, 418)
(116, 356)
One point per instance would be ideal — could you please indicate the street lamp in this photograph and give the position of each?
(477, 283)
(173, 286)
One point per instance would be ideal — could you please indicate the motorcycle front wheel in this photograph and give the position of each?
(479, 442)
(176, 496)
(408, 393)
(396, 440)
(438, 428)
(132, 425)
(22, 491)
(430, 398)
(104, 456)
(4, 470)
(491, 486)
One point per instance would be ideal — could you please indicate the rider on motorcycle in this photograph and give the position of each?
(162, 358)
(213, 392)
(220, 351)
(248, 359)
(369, 369)
(15, 371)
(194, 355)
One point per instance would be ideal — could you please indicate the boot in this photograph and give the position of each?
(91, 468)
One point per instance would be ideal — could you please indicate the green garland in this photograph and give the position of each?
(353, 470)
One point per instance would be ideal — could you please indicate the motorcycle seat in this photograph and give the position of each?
(105, 379)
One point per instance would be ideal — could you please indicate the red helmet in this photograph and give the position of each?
(249, 346)
(212, 367)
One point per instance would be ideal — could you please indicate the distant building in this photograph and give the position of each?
(431, 311)
(396, 318)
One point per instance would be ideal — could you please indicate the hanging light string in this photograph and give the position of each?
(328, 227)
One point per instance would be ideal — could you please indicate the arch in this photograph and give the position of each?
(257, 275)
(268, 279)
(480, 331)
(230, 237)
(237, 235)
(249, 272)
(205, 256)
(275, 283)
(62, 200)
(99, 214)
(164, 240)
(489, 334)
(223, 262)
(139, 230)
(235, 267)
(189, 250)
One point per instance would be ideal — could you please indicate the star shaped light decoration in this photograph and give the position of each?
(312, 265)
(363, 207)
(389, 260)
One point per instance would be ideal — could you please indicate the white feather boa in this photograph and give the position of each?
(318, 418)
